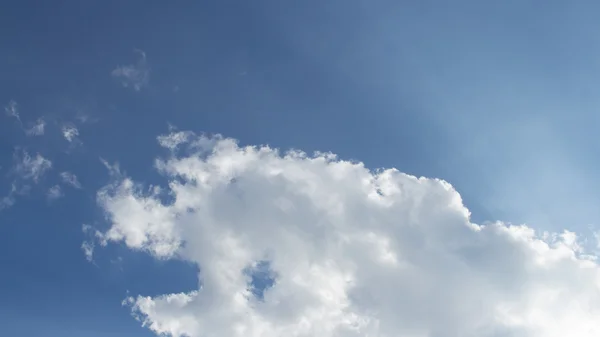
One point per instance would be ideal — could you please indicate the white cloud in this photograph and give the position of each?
(88, 246)
(70, 178)
(113, 170)
(54, 193)
(70, 132)
(7, 201)
(12, 110)
(30, 168)
(355, 253)
(88, 250)
(135, 76)
(11, 198)
(25, 169)
(173, 140)
(37, 129)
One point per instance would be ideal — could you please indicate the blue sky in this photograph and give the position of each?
(497, 98)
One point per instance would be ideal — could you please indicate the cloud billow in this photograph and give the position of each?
(353, 252)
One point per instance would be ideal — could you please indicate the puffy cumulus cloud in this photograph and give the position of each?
(134, 76)
(353, 252)
(70, 133)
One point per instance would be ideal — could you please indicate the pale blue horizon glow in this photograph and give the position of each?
(500, 99)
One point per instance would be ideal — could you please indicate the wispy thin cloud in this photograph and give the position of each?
(37, 129)
(84, 118)
(54, 193)
(30, 168)
(134, 76)
(70, 179)
(88, 246)
(8, 200)
(174, 139)
(12, 110)
(27, 170)
(11, 198)
(88, 250)
(113, 170)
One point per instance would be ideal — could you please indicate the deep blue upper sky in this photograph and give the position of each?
(499, 98)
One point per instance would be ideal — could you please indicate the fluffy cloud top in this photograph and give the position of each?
(353, 252)
(70, 132)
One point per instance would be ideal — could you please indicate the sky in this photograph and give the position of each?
(314, 168)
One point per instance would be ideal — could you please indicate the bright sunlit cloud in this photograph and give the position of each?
(352, 252)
